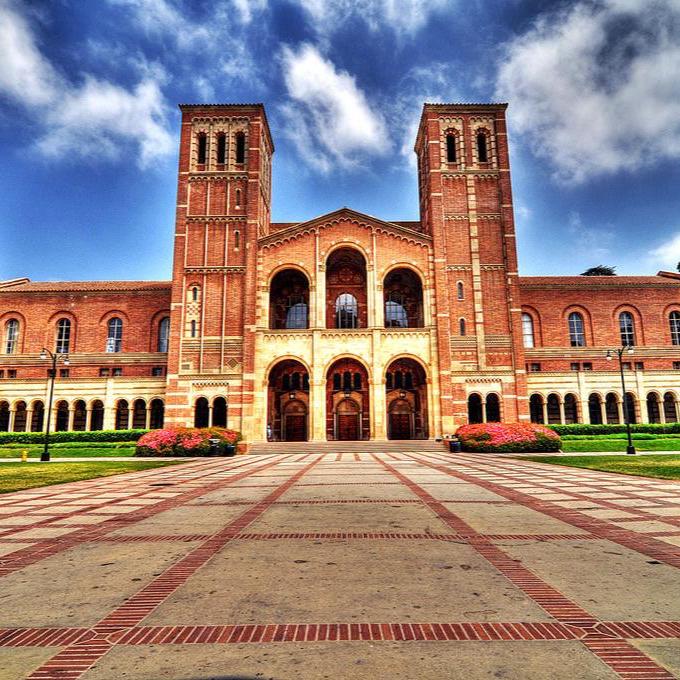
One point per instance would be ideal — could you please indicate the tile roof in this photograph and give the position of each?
(28, 286)
(661, 279)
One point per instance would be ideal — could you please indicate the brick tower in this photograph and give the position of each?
(466, 206)
(223, 207)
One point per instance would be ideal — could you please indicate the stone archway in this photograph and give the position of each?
(406, 400)
(347, 401)
(288, 402)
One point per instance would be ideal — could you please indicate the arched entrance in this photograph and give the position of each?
(406, 400)
(346, 298)
(288, 402)
(347, 401)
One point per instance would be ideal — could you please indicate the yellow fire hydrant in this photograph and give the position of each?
(24, 456)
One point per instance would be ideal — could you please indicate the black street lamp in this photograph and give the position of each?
(45, 456)
(630, 449)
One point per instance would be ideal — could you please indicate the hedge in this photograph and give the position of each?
(95, 436)
(668, 428)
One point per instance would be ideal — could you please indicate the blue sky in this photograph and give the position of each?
(89, 123)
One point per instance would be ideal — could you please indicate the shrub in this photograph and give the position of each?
(184, 441)
(668, 428)
(507, 438)
(55, 437)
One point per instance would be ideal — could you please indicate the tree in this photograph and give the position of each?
(678, 266)
(601, 270)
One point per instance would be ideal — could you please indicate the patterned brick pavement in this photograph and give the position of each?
(343, 565)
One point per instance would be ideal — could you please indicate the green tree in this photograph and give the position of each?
(602, 270)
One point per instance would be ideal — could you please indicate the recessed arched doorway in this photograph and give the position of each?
(406, 400)
(288, 402)
(347, 401)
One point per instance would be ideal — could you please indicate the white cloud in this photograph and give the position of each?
(246, 8)
(595, 87)
(405, 17)
(92, 118)
(329, 118)
(667, 255)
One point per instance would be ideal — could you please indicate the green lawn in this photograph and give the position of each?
(18, 476)
(69, 450)
(663, 467)
(603, 444)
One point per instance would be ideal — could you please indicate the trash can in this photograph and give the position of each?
(216, 446)
(229, 450)
(454, 446)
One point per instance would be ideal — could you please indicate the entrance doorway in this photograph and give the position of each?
(347, 401)
(347, 416)
(406, 400)
(400, 424)
(294, 422)
(288, 402)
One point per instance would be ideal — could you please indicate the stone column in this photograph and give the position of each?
(317, 410)
(71, 416)
(12, 417)
(619, 406)
(147, 421)
(545, 411)
(88, 418)
(29, 420)
(562, 416)
(603, 410)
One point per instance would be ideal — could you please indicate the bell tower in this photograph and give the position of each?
(223, 207)
(466, 206)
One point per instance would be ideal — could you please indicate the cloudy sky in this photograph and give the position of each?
(89, 122)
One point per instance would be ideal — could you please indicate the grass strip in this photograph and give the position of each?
(661, 467)
(18, 476)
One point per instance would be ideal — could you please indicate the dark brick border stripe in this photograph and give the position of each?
(76, 659)
(547, 597)
(48, 547)
(642, 543)
(626, 660)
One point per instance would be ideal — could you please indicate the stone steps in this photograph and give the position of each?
(410, 446)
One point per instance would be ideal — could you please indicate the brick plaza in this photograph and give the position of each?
(348, 564)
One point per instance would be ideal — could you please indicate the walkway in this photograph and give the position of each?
(353, 565)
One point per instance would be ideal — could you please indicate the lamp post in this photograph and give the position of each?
(54, 356)
(630, 449)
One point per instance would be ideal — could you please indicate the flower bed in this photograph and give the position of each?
(184, 441)
(508, 438)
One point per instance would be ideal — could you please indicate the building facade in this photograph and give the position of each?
(345, 326)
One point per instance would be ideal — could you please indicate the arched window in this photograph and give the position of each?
(460, 291)
(611, 408)
(240, 148)
(163, 334)
(553, 407)
(346, 311)
(221, 148)
(61, 421)
(4, 416)
(493, 408)
(395, 311)
(577, 336)
(38, 416)
(595, 409)
(674, 320)
(20, 417)
(194, 294)
(220, 412)
(237, 240)
(202, 148)
(528, 330)
(629, 406)
(157, 414)
(193, 328)
(482, 150)
(536, 408)
(461, 326)
(238, 198)
(139, 414)
(97, 415)
(79, 416)
(114, 339)
(669, 408)
(201, 413)
(653, 412)
(122, 415)
(11, 336)
(63, 344)
(451, 156)
(627, 329)
(570, 409)
(475, 414)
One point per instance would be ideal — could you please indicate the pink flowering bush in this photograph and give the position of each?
(508, 438)
(184, 441)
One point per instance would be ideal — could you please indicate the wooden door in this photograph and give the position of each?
(400, 426)
(348, 427)
(296, 428)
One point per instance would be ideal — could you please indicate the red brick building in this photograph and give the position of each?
(345, 326)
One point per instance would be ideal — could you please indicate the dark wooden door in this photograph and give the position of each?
(296, 428)
(348, 427)
(400, 426)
